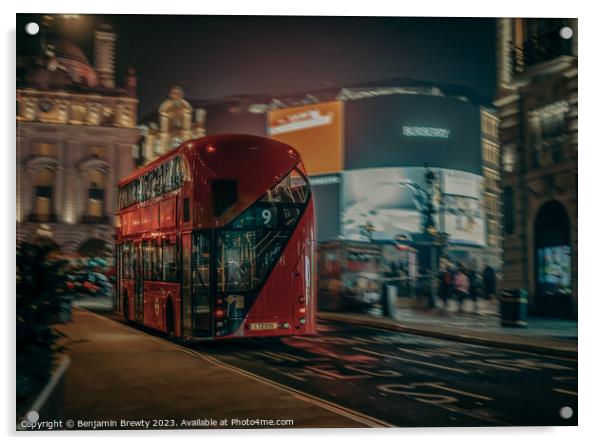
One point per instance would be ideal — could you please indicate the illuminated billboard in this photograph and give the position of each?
(382, 204)
(412, 130)
(315, 131)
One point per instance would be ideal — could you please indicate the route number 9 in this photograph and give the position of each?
(266, 216)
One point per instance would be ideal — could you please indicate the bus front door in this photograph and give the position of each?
(138, 284)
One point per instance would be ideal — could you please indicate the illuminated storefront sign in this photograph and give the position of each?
(427, 132)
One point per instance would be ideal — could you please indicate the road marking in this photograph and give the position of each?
(433, 339)
(330, 406)
(491, 365)
(409, 360)
(440, 401)
(458, 391)
(565, 391)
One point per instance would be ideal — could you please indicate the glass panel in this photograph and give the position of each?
(246, 257)
(43, 208)
(127, 260)
(200, 260)
(292, 189)
(157, 262)
(95, 208)
(201, 290)
(170, 265)
(147, 260)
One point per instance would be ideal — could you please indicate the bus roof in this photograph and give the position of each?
(197, 145)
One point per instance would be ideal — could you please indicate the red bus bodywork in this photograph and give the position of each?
(223, 245)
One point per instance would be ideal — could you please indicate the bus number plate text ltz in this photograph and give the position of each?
(263, 326)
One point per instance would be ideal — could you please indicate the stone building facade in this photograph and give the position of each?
(537, 102)
(75, 134)
(490, 146)
(175, 122)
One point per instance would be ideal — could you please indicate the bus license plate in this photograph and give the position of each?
(263, 326)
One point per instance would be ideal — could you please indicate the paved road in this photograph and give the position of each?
(412, 381)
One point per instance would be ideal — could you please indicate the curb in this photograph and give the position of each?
(41, 404)
(463, 338)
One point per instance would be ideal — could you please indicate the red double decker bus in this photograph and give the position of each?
(216, 239)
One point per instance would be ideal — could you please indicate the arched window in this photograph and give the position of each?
(43, 195)
(96, 195)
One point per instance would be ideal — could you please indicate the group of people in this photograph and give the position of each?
(461, 283)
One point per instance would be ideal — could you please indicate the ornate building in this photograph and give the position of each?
(176, 122)
(537, 101)
(75, 134)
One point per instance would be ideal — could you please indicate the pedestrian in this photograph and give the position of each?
(489, 281)
(461, 286)
(446, 283)
(473, 289)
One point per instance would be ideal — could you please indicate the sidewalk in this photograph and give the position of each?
(118, 374)
(542, 335)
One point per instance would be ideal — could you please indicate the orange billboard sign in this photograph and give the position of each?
(315, 131)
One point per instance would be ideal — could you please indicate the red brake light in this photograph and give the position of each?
(219, 313)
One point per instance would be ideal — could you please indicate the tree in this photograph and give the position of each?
(40, 287)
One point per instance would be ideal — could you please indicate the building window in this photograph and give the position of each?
(96, 195)
(491, 179)
(547, 127)
(43, 195)
(490, 152)
(491, 203)
(489, 125)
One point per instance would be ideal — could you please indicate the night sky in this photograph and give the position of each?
(216, 56)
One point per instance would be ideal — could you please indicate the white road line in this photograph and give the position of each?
(565, 391)
(330, 406)
(458, 391)
(410, 360)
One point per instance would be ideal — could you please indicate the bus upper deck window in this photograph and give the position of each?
(224, 193)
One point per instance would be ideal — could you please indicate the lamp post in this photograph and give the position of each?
(430, 237)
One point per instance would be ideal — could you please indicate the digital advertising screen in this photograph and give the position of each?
(412, 130)
(326, 192)
(313, 130)
(554, 270)
(383, 203)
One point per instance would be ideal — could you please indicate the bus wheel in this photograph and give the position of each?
(126, 308)
(170, 324)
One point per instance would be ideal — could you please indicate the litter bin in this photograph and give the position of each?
(513, 307)
(64, 312)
